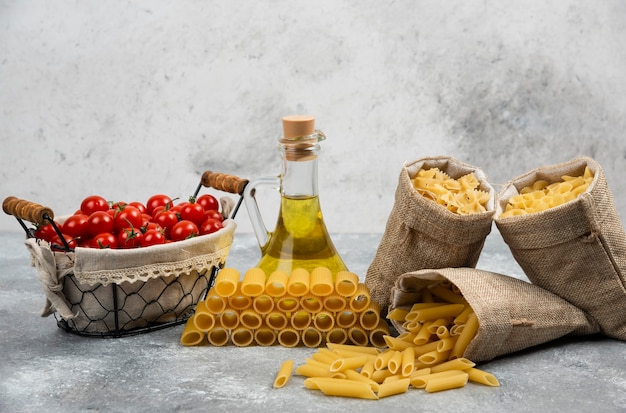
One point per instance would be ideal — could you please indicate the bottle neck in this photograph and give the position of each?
(299, 178)
(299, 175)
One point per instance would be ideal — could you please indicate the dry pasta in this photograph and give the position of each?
(321, 282)
(284, 373)
(253, 283)
(461, 196)
(541, 195)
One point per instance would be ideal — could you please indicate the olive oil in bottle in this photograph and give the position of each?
(300, 238)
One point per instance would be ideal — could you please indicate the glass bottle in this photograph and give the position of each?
(300, 238)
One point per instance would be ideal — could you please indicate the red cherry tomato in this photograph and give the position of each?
(104, 240)
(210, 226)
(46, 232)
(213, 214)
(155, 201)
(76, 226)
(56, 244)
(128, 217)
(153, 237)
(208, 202)
(183, 230)
(93, 203)
(100, 222)
(141, 207)
(193, 212)
(167, 220)
(129, 238)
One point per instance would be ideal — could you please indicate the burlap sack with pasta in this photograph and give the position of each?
(421, 233)
(576, 250)
(512, 314)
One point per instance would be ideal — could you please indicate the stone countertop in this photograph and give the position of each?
(44, 368)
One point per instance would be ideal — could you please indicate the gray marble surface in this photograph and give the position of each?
(42, 368)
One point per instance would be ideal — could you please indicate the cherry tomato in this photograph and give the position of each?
(57, 245)
(46, 232)
(166, 219)
(129, 237)
(208, 202)
(153, 237)
(213, 214)
(141, 207)
(193, 212)
(210, 226)
(76, 226)
(104, 240)
(93, 203)
(100, 222)
(156, 201)
(183, 230)
(128, 217)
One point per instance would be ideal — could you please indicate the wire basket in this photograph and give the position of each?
(114, 293)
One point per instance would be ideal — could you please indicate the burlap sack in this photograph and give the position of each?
(576, 250)
(422, 234)
(512, 314)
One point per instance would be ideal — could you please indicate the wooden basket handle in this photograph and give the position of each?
(224, 182)
(27, 210)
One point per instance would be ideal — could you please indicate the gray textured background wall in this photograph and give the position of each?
(127, 99)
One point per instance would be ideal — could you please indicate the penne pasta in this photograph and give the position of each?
(346, 319)
(283, 375)
(397, 314)
(311, 303)
(298, 283)
(242, 336)
(337, 335)
(253, 283)
(311, 337)
(226, 282)
(408, 362)
(345, 363)
(455, 364)
(446, 383)
(368, 368)
(276, 285)
(321, 282)
(361, 298)
(358, 336)
(421, 381)
(468, 333)
(191, 336)
(354, 349)
(356, 376)
(250, 319)
(343, 388)
(335, 303)
(238, 300)
(391, 388)
(324, 321)
(433, 313)
(346, 283)
(394, 364)
(215, 303)
(263, 304)
(382, 359)
(265, 336)
(482, 377)
(288, 337)
(370, 316)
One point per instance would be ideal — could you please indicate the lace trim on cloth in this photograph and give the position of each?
(156, 270)
(94, 266)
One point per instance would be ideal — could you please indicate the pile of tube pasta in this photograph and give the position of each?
(302, 307)
(428, 355)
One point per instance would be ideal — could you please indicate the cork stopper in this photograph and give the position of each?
(296, 126)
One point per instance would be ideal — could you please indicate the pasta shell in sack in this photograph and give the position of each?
(512, 314)
(577, 250)
(421, 231)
